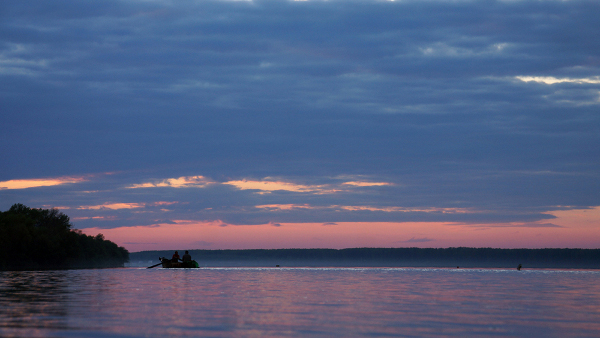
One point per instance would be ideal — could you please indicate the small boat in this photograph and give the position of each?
(168, 264)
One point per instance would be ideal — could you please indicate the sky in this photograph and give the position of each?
(216, 124)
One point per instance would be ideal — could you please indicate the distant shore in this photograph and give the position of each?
(392, 257)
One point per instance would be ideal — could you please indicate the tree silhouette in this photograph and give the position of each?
(45, 239)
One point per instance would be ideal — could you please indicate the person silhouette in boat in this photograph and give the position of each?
(175, 257)
(186, 257)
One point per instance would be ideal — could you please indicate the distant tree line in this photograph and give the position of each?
(434, 257)
(44, 239)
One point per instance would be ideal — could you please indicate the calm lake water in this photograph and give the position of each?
(299, 302)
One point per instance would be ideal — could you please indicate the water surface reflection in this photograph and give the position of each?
(33, 301)
(343, 302)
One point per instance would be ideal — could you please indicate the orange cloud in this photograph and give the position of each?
(261, 186)
(285, 206)
(270, 186)
(181, 182)
(366, 184)
(118, 206)
(113, 206)
(39, 182)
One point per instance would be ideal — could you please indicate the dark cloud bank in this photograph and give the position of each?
(421, 94)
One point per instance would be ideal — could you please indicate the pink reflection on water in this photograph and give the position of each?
(322, 302)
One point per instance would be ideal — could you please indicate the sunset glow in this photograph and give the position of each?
(573, 228)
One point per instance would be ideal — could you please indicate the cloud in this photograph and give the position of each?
(280, 207)
(550, 80)
(367, 184)
(405, 209)
(268, 186)
(39, 182)
(284, 206)
(271, 186)
(181, 182)
(112, 206)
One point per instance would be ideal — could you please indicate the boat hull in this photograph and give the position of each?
(168, 264)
